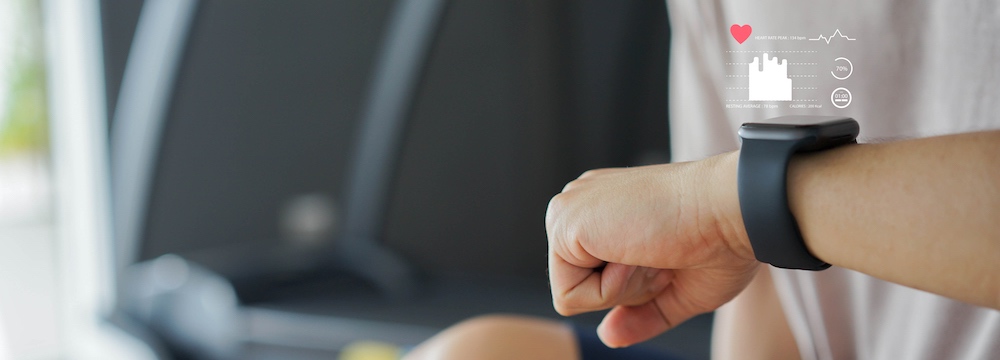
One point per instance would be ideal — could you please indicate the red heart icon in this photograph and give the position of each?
(740, 33)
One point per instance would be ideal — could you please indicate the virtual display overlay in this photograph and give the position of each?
(773, 71)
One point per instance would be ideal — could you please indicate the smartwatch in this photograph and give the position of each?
(762, 182)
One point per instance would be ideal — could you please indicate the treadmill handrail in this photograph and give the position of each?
(136, 133)
(409, 36)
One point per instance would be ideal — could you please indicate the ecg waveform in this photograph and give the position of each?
(835, 34)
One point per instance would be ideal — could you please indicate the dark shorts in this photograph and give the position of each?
(591, 348)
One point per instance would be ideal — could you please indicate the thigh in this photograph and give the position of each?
(591, 348)
(501, 337)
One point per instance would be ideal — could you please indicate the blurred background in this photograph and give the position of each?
(256, 179)
(28, 284)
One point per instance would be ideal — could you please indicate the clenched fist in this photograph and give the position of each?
(658, 244)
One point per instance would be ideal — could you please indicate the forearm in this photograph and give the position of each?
(923, 213)
(660, 244)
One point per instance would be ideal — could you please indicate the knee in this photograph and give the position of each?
(500, 337)
(489, 326)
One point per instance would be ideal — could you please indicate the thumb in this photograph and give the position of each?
(628, 325)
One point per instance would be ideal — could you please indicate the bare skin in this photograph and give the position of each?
(660, 244)
(751, 326)
(500, 337)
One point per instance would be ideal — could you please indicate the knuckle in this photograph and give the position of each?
(590, 173)
(561, 309)
(595, 172)
(579, 300)
(554, 210)
(564, 307)
(571, 185)
(556, 203)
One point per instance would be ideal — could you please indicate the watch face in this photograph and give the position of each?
(824, 131)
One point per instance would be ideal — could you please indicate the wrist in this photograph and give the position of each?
(726, 204)
(811, 177)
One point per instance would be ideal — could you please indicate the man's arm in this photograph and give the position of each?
(660, 244)
(923, 213)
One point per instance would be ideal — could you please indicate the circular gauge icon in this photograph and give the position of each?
(842, 68)
(841, 98)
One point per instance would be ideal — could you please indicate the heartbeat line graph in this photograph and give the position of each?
(835, 34)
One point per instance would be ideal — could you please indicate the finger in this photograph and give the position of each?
(655, 281)
(645, 285)
(627, 325)
(578, 289)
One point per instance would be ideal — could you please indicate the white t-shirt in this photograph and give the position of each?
(912, 69)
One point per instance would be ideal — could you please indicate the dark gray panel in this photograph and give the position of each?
(264, 110)
(461, 203)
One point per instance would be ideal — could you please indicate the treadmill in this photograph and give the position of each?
(289, 178)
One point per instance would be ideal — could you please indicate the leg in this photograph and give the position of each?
(501, 337)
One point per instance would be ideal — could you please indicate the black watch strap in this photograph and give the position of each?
(762, 179)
